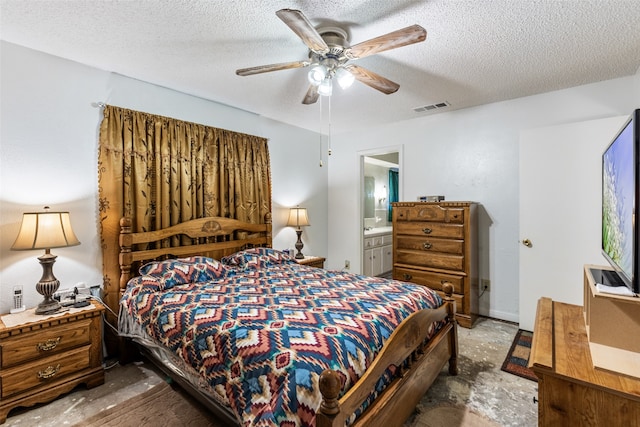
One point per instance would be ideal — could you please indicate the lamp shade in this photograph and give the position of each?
(298, 217)
(45, 230)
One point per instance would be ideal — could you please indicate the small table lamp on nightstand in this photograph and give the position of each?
(298, 218)
(46, 230)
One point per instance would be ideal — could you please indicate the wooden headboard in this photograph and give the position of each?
(214, 237)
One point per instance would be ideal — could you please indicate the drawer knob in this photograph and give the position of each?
(48, 345)
(49, 372)
(427, 245)
(406, 276)
(427, 230)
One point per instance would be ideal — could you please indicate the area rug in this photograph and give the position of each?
(517, 360)
(449, 416)
(160, 406)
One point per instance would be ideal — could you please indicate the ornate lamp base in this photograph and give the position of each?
(299, 245)
(48, 285)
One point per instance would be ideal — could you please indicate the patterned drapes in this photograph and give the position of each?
(161, 171)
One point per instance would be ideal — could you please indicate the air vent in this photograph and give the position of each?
(431, 107)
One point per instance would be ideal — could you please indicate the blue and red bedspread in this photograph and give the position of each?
(259, 328)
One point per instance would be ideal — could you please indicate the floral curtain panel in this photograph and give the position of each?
(161, 171)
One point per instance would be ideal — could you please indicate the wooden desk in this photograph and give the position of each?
(571, 392)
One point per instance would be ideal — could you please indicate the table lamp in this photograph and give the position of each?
(298, 218)
(46, 230)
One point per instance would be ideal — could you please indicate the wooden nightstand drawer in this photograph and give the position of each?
(48, 369)
(53, 340)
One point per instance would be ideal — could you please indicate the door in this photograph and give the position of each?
(389, 157)
(560, 196)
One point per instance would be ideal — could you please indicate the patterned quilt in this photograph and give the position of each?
(259, 328)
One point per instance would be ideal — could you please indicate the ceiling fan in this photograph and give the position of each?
(330, 53)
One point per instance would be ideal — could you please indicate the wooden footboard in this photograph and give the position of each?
(399, 399)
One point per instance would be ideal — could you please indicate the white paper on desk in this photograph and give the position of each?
(616, 290)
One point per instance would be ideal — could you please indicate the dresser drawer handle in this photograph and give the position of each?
(427, 230)
(49, 372)
(407, 276)
(48, 345)
(427, 245)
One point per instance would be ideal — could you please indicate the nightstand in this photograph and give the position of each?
(42, 359)
(312, 261)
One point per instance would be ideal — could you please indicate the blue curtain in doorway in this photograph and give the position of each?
(393, 191)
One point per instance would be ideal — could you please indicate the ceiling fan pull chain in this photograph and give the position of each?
(329, 130)
(320, 133)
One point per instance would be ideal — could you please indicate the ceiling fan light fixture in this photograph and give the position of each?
(325, 88)
(345, 78)
(330, 51)
(317, 74)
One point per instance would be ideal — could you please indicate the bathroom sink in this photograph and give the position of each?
(372, 231)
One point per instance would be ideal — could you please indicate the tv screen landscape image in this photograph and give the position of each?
(619, 203)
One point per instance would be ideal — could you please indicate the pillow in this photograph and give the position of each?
(257, 258)
(181, 271)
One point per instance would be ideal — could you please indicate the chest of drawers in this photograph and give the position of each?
(435, 243)
(43, 359)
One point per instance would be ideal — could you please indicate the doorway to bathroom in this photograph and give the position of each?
(380, 185)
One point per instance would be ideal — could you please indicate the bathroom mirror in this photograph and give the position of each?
(369, 196)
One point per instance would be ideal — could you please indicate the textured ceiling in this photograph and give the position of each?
(476, 52)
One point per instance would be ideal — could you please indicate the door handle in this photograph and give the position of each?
(527, 243)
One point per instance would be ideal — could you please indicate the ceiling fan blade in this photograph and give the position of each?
(272, 67)
(395, 39)
(372, 79)
(312, 95)
(303, 28)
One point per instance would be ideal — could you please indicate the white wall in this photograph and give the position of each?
(48, 152)
(470, 154)
(48, 155)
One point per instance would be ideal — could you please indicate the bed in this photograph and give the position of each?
(305, 346)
